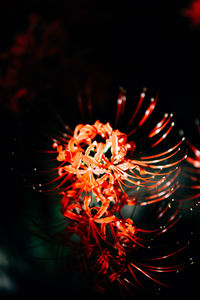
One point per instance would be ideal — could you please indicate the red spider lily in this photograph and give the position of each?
(100, 173)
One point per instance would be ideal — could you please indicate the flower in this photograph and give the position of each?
(100, 173)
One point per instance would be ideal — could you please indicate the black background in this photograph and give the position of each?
(135, 44)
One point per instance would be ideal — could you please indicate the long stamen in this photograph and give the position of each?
(142, 96)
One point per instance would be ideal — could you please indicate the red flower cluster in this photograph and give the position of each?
(100, 174)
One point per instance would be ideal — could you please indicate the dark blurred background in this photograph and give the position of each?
(104, 45)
